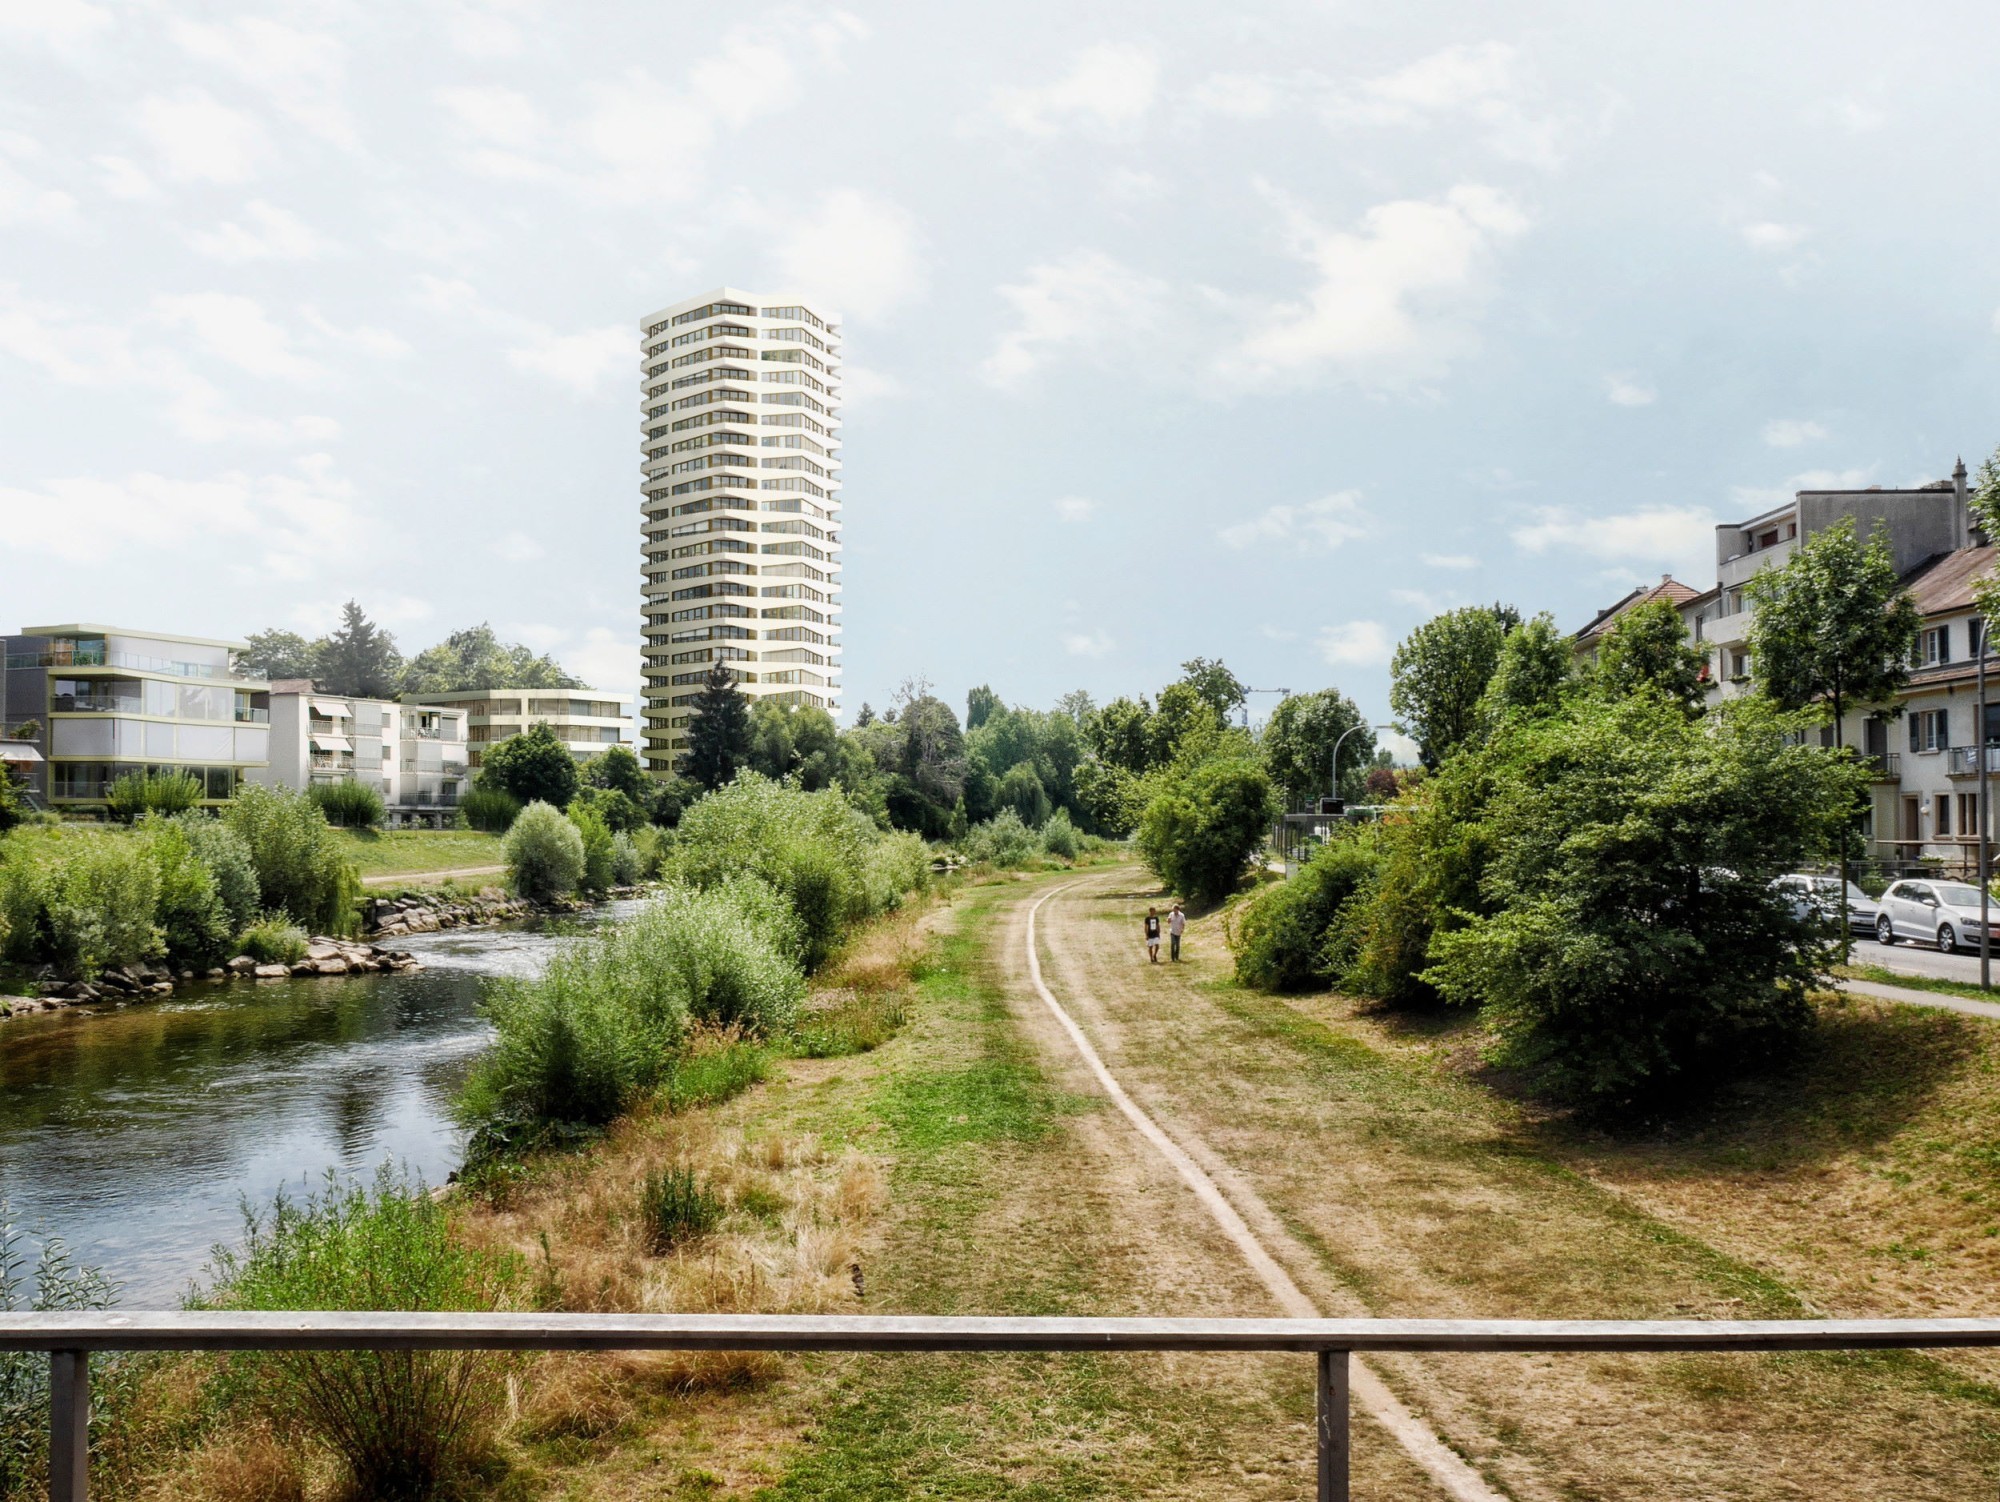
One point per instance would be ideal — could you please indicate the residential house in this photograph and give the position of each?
(414, 755)
(583, 719)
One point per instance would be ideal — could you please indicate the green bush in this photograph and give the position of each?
(1201, 830)
(348, 804)
(56, 1284)
(716, 1067)
(650, 845)
(81, 900)
(597, 850)
(193, 919)
(273, 941)
(1287, 939)
(544, 853)
(627, 866)
(222, 850)
(1004, 840)
(1060, 837)
(301, 867)
(404, 1425)
(137, 793)
(675, 1208)
(532, 767)
(489, 809)
(897, 864)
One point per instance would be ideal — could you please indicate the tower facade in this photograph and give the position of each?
(739, 505)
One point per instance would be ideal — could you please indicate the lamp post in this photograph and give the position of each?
(1333, 791)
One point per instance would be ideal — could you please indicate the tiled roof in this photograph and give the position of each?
(1943, 583)
(1666, 589)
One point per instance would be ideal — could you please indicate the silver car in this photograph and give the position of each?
(1819, 896)
(1944, 913)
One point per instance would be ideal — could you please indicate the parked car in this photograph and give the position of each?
(1944, 913)
(1820, 895)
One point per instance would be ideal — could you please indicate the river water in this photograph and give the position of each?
(136, 1133)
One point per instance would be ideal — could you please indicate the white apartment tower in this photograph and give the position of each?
(740, 504)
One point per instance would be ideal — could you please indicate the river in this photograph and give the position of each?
(136, 1133)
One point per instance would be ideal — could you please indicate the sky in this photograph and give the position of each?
(1260, 331)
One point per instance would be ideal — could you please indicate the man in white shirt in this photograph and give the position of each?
(1176, 926)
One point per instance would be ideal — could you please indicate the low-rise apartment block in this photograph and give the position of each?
(583, 719)
(414, 755)
(104, 701)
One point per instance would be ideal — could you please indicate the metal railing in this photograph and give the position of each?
(1883, 766)
(1963, 761)
(70, 1339)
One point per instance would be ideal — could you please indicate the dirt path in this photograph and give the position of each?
(1357, 1180)
(423, 878)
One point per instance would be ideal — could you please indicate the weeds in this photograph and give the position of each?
(58, 1283)
(674, 1209)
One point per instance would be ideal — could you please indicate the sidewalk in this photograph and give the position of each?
(1963, 1004)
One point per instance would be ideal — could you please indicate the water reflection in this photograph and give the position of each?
(135, 1133)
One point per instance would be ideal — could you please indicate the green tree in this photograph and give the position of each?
(301, 867)
(545, 854)
(1834, 623)
(1535, 671)
(1219, 688)
(280, 654)
(929, 767)
(1439, 675)
(1121, 733)
(1647, 651)
(1184, 721)
(1021, 789)
(617, 769)
(360, 658)
(1199, 832)
(1634, 949)
(718, 743)
(477, 659)
(1298, 743)
(532, 766)
(980, 706)
(1287, 939)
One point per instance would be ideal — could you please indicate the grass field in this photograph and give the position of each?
(413, 852)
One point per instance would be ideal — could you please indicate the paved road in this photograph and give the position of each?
(1922, 959)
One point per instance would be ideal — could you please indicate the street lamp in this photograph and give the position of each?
(1334, 790)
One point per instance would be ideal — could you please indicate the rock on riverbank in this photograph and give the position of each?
(422, 913)
(324, 956)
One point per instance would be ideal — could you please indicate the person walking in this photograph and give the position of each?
(1153, 934)
(1176, 926)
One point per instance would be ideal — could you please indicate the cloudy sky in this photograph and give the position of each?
(1260, 331)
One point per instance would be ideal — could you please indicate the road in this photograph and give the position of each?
(1922, 959)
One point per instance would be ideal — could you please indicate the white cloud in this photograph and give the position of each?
(1661, 536)
(382, 343)
(1356, 644)
(264, 233)
(1450, 560)
(517, 547)
(1086, 301)
(1626, 391)
(1425, 600)
(1375, 307)
(1238, 96)
(124, 181)
(479, 30)
(1108, 88)
(1075, 508)
(490, 113)
(1089, 644)
(238, 330)
(1329, 521)
(302, 73)
(22, 200)
(582, 361)
(1773, 237)
(284, 525)
(1132, 186)
(199, 140)
(1485, 83)
(603, 658)
(1791, 432)
(60, 23)
(862, 254)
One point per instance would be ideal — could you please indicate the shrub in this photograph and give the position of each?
(81, 900)
(628, 868)
(348, 804)
(301, 867)
(1003, 840)
(532, 767)
(1199, 832)
(273, 941)
(194, 920)
(1060, 837)
(57, 1283)
(1287, 940)
(596, 835)
(545, 854)
(137, 793)
(674, 1208)
(403, 1424)
(222, 850)
(1020, 789)
(489, 809)
(897, 864)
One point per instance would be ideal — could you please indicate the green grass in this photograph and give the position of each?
(395, 852)
(1882, 976)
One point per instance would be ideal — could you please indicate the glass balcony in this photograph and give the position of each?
(90, 656)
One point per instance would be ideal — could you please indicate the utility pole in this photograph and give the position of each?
(1985, 818)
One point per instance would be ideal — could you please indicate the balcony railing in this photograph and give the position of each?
(96, 704)
(1884, 766)
(70, 1339)
(100, 657)
(1963, 761)
(253, 716)
(428, 800)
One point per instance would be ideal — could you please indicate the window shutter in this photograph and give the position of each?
(1916, 742)
(1943, 729)
(1944, 643)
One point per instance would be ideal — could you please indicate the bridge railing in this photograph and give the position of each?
(70, 1339)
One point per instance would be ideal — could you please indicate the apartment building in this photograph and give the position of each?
(414, 755)
(739, 504)
(584, 719)
(98, 702)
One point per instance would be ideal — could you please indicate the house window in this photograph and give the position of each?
(1968, 813)
(1929, 729)
(1739, 665)
(1943, 815)
(1934, 646)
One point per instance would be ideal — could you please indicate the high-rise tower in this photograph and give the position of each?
(740, 505)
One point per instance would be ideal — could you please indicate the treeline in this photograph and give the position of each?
(358, 657)
(1590, 860)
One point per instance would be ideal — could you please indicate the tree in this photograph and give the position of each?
(1221, 689)
(1633, 949)
(617, 769)
(545, 854)
(1834, 623)
(1184, 719)
(1078, 705)
(1439, 675)
(1121, 733)
(980, 706)
(477, 659)
(280, 654)
(772, 753)
(532, 767)
(1536, 669)
(360, 658)
(718, 743)
(1021, 790)
(1299, 740)
(929, 767)
(1198, 833)
(1647, 651)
